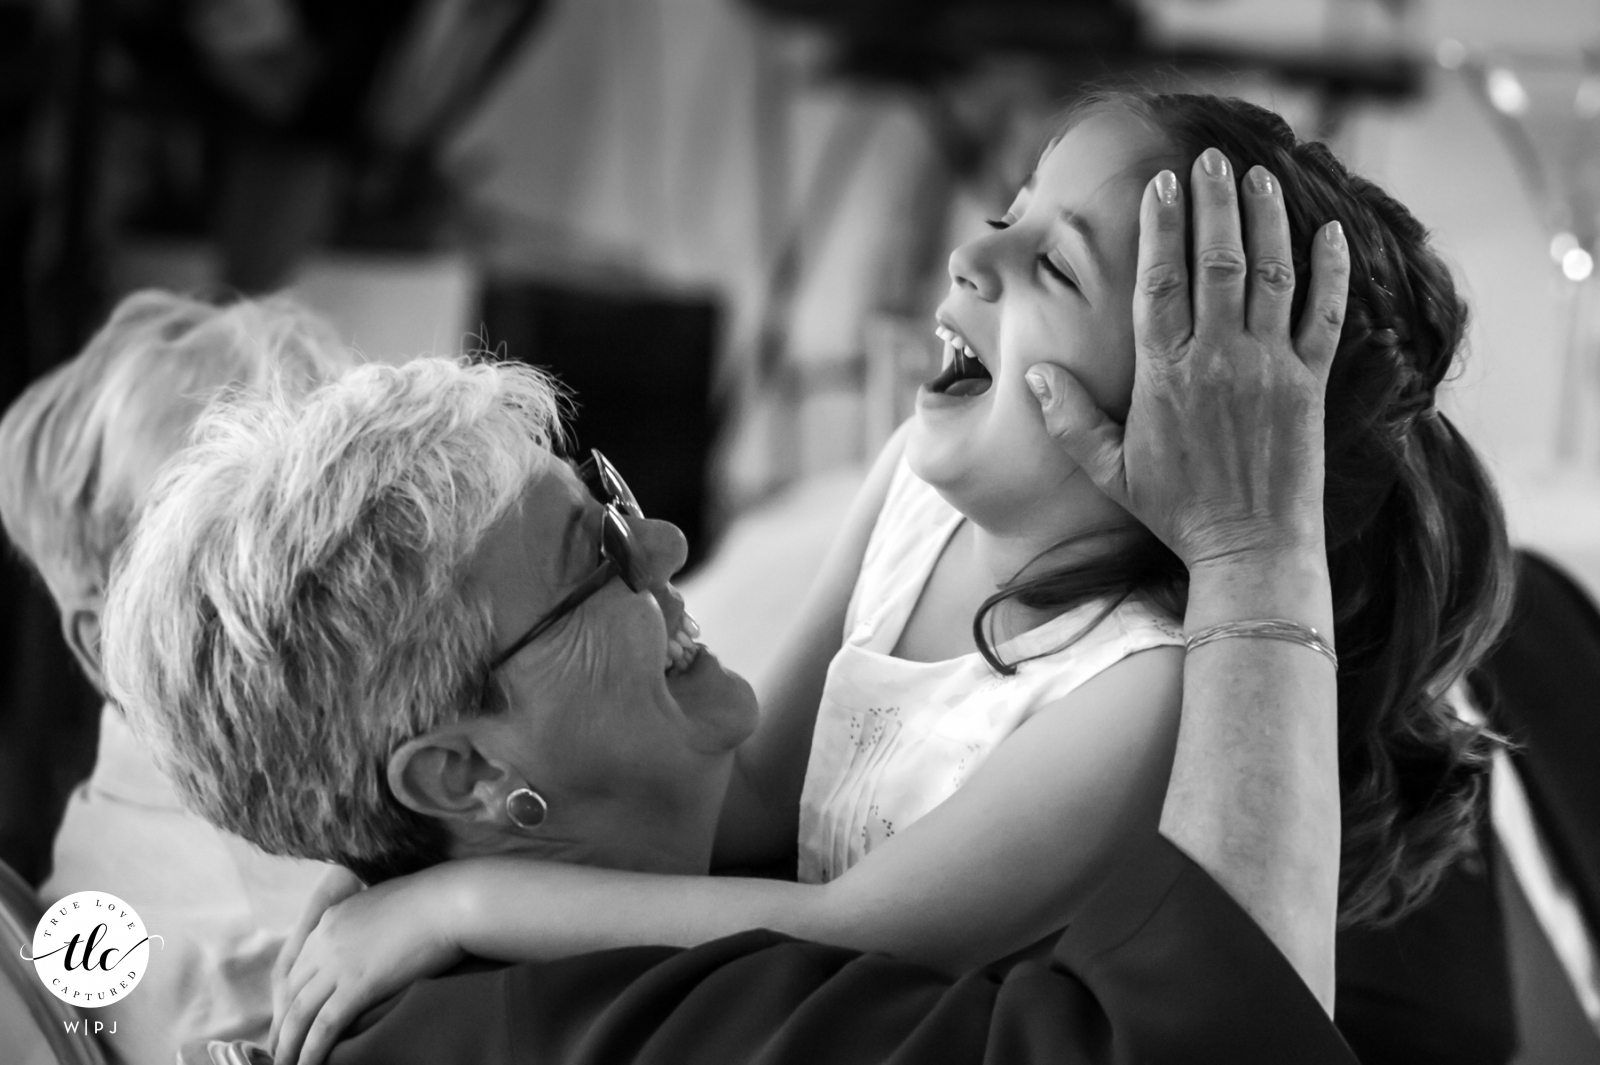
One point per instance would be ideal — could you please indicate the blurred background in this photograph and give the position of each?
(724, 223)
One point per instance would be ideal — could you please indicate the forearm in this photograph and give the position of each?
(516, 909)
(1254, 795)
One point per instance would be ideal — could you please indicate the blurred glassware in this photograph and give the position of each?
(1546, 106)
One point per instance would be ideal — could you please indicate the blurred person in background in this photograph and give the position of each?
(323, 122)
(78, 452)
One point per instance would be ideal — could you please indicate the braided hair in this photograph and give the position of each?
(1417, 549)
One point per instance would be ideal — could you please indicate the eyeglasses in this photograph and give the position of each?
(619, 552)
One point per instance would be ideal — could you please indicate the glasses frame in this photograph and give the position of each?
(619, 551)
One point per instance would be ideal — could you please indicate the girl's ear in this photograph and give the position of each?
(445, 775)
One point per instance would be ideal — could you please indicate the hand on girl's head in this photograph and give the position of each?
(1087, 269)
(1223, 453)
(1223, 445)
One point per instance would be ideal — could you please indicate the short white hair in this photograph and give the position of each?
(79, 447)
(294, 604)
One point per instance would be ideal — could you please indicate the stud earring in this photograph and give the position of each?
(526, 808)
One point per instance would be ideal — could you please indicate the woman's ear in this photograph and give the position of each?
(80, 627)
(443, 774)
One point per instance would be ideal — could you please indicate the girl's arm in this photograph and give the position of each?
(761, 812)
(998, 865)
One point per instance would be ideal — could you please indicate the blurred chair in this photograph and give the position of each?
(1436, 987)
(36, 1028)
(1499, 967)
(1552, 1028)
(1541, 688)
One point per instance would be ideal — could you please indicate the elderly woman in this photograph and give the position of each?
(312, 621)
(78, 451)
(303, 624)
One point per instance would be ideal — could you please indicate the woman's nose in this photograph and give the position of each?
(665, 547)
(973, 266)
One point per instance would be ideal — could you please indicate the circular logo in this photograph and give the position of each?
(91, 949)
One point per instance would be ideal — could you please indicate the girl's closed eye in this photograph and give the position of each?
(1056, 271)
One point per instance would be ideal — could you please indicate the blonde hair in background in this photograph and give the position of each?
(79, 447)
(293, 605)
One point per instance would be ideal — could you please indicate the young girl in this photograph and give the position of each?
(981, 700)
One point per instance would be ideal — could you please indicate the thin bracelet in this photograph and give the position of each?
(1265, 629)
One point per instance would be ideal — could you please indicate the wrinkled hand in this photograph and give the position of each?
(1222, 452)
(355, 950)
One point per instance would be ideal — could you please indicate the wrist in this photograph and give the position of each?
(1290, 558)
(454, 904)
(1284, 582)
(1222, 542)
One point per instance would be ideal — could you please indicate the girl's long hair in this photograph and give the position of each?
(1417, 549)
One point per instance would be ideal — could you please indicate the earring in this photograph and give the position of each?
(526, 808)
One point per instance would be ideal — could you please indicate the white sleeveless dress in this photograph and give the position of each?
(895, 738)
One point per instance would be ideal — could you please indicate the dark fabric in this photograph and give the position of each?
(1438, 987)
(48, 711)
(1541, 687)
(1162, 967)
(1435, 988)
(49, 722)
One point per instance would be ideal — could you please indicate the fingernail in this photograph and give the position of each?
(1333, 233)
(1040, 385)
(691, 624)
(1260, 181)
(1167, 187)
(1214, 162)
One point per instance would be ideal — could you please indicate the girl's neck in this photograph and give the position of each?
(1043, 536)
(987, 552)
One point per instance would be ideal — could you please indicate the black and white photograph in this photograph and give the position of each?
(793, 532)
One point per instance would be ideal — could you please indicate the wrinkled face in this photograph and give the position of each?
(601, 717)
(1052, 282)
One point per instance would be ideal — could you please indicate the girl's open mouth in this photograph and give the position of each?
(964, 374)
